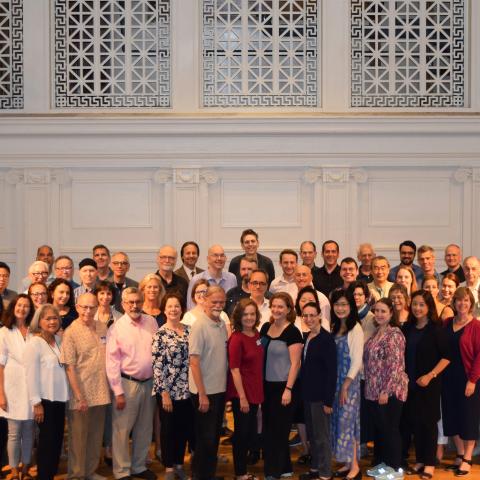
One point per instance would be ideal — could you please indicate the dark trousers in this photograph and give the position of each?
(3, 441)
(208, 427)
(425, 437)
(245, 430)
(176, 429)
(50, 439)
(277, 421)
(386, 424)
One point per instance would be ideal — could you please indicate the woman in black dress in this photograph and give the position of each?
(460, 389)
(426, 356)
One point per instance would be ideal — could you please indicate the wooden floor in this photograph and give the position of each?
(225, 465)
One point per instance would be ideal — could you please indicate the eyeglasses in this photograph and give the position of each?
(120, 264)
(131, 303)
(38, 294)
(87, 307)
(309, 315)
(200, 292)
(218, 255)
(258, 284)
(166, 257)
(42, 274)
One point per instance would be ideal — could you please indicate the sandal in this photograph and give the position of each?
(454, 466)
(461, 473)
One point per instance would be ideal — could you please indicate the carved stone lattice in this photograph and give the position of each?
(11, 54)
(260, 53)
(111, 53)
(408, 53)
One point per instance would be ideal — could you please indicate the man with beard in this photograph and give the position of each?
(207, 380)
(234, 295)
(166, 260)
(407, 250)
(129, 372)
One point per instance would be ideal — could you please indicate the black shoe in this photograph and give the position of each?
(305, 459)
(454, 466)
(253, 457)
(462, 473)
(108, 461)
(146, 475)
(340, 473)
(295, 441)
(311, 475)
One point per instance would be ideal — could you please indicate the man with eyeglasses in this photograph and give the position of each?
(44, 254)
(129, 371)
(83, 353)
(407, 250)
(121, 265)
(166, 260)
(234, 295)
(5, 294)
(63, 268)
(258, 284)
(380, 286)
(214, 274)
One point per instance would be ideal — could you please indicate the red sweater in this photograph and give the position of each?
(470, 349)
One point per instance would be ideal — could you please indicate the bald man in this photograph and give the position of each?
(214, 274)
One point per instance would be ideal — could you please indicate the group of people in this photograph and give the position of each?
(350, 352)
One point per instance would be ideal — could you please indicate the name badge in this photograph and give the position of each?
(259, 343)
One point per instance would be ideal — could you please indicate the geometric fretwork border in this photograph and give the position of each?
(408, 53)
(11, 54)
(260, 53)
(111, 53)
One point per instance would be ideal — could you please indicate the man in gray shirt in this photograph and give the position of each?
(208, 381)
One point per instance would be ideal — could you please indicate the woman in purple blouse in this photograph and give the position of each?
(386, 385)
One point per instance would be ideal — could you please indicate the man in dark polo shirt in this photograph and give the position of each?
(328, 277)
(166, 260)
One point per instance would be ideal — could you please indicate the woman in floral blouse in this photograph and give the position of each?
(386, 384)
(170, 384)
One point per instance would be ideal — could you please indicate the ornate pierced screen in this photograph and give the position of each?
(260, 53)
(11, 54)
(408, 53)
(112, 53)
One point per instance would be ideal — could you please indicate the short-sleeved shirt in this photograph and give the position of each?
(83, 348)
(246, 354)
(208, 340)
(277, 356)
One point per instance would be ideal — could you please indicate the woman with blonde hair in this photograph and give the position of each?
(153, 291)
(405, 276)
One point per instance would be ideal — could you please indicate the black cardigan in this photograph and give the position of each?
(319, 369)
(432, 347)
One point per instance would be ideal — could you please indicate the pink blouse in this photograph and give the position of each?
(384, 365)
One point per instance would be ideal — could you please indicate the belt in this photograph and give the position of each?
(133, 379)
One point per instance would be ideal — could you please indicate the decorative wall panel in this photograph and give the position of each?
(111, 53)
(11, 54)
(408, 53)
(260, 53)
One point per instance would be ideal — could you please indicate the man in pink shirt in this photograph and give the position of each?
(129, 372)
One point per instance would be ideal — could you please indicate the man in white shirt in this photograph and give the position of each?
(189, 254)
(380, 286)
(286, 281)
(257, 285)
(471, 267)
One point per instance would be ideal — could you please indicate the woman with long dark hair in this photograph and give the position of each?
(427, 355)
(60, 293)
(348, 335)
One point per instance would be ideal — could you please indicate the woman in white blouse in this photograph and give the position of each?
(14, 402)
(47, 388)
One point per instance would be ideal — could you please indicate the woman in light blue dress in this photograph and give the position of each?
(345, 427)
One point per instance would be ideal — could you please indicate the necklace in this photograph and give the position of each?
(53, 350)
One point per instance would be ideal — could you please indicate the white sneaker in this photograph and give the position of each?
(380, 469)
(286, 475)
(393, 475)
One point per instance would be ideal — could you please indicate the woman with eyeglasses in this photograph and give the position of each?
(38, 292)
(47, 388)
(398, 294)
(61, 296)
(318, 379)
(14, 403)
(348, 335)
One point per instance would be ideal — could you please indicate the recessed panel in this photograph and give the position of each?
(409, 203)
(111, 204)
(260, 204)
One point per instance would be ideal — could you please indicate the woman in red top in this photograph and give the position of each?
(460, 386)
(245, 380)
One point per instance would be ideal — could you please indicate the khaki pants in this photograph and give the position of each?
(85, 433)
(137, 418)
